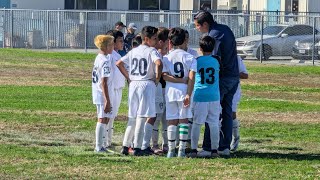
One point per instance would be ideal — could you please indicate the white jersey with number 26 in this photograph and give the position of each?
(141, 61)
(102, 68)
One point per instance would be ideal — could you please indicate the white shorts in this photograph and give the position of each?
(160, 100)
(176, 110)
(116, 101)
(101, 113)
(142, 99)
(206, 112)
(236, 99)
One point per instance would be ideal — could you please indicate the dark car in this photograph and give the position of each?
(302, 49)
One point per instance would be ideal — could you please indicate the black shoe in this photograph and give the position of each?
(125, 150)
(137, 152)
(147, 152)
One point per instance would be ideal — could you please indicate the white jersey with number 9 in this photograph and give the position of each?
(141, 61)
(178, 63)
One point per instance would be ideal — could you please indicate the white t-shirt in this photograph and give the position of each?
(102, 68)
(242, 69)
(141, 61)
(119, 80)
(193, 52)
(178, 63)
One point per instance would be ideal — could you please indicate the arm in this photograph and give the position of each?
(159, 67)
(105, 91)
(120, 65)
(173, 79)
(186, 101)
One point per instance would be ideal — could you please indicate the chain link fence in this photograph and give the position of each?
(260, 35)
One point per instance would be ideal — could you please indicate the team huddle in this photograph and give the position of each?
(168, 84)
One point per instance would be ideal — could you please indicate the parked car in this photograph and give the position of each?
(278, 40)
(302, 49)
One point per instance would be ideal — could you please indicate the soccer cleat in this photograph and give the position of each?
(157, 150)
(147, 152)
(204, 154)
(193, 153)
(171, 154)
(101, 150)
(125, 150)
(224, 153)
(214, 154)
(181, 154)
(130, 150)
(137, 152)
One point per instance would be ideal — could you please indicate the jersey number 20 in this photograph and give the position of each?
(139, 67)
(210, 71)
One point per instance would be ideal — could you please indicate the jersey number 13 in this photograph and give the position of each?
(210, 71)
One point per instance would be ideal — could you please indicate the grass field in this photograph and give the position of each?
(47, 124)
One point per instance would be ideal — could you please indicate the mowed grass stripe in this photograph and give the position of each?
(287, 89)
(282, 69)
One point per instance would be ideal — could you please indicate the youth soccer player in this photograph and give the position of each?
(145, 68)
(236, 99)
(179, 69)
(102, 87)
(118, 81)
(206, 97)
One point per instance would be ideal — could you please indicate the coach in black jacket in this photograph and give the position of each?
(229, 76)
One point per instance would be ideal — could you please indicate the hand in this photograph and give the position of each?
(186, 101)
(107, 107)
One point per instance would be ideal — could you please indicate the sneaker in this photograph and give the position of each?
(214, 154)
(182, 154)
(157, 150)
(204, 154)
(165, 148)
(234, 143)
(225, 153)
(125, 150)
(101, 150)
(147, 152)
(137, 152)
(193, 153)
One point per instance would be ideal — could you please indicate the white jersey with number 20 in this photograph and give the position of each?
(141, 61)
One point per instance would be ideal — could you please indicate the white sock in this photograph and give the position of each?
(148, 128)
(172, 129)
(214, 135)
(128, 135)
(139, 132)
(235, 129)
(195, 133)
(109, 131)
(100, 132)
(155, 133)
(183, 131)
(164, 124)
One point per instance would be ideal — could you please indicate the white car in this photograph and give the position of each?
(278, 40)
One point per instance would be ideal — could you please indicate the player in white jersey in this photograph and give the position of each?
(152, 125)
(235, 102)
(118, 81)
(102, 87)
(145, 68)
(178, 66)
(187, 48)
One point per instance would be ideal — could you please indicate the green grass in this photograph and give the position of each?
(47, 123)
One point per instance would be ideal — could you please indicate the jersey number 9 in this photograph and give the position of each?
(178, 70)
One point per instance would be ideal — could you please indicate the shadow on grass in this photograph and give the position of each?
(275, 155)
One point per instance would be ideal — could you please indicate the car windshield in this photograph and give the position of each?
(272, 30)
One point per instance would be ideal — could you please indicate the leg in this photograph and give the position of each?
(172, 129)
(148, 128)
(164, 125)
(155, 132)
(213, 123)
(109, 131)
(128, 136)
(235, 133)
(183, 136)
(138, 135)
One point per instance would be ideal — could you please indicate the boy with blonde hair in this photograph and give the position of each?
(102, 87)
